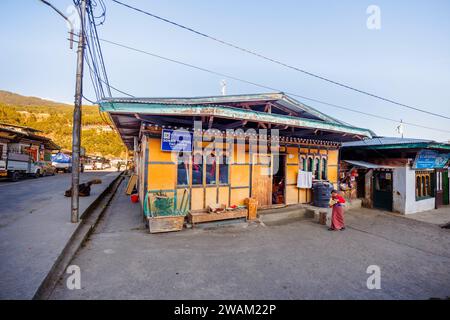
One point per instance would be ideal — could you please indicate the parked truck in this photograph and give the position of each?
(62, 162)
(15, 163)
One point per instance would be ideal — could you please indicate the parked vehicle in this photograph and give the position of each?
(62, 162)
(89, 166)
(98, 165)
(16, 162)
(47, 169)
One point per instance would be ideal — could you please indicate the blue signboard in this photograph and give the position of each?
(430, 159)
(176, 140)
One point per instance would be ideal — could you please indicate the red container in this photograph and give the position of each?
(134, 198)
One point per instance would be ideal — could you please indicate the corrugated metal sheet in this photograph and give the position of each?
(367, 165)
(380, 141)
(275, 97)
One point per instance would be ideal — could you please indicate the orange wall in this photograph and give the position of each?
(162, 171)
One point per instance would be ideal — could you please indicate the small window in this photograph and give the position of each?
(210, 169)
(324, 169)
(310, 164)
(223, 170)
(303, 164)
(317, 169)
(183, 171)
(424, 185)
(197, 169)
(418, 187)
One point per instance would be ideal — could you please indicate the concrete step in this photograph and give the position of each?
(284, 215)
(299, 212)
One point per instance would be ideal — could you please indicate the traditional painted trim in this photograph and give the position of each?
(229, 113)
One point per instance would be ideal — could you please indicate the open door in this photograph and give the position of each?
(382, 190)
(262, 179)
(279, 181)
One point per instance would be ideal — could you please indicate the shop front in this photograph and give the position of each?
(218, 152)
(400, 175)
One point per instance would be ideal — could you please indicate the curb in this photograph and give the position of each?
(89, 219)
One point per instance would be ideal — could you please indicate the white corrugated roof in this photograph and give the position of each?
(368, 165)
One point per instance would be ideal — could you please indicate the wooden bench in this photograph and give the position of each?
(204, 216)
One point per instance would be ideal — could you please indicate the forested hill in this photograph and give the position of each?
(55, 121)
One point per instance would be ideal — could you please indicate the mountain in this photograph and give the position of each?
(14, 99)
(54, 119)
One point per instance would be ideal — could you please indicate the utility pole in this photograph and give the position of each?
(76, 129)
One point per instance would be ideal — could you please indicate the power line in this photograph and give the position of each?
(259, 85)
(280, 62)
(91, 18)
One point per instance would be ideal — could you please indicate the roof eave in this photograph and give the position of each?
(230, 113)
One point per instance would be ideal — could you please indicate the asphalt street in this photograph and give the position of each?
(26, 196)
(297, 260)
(35, 227)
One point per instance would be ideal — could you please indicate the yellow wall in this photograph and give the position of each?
(162, 170)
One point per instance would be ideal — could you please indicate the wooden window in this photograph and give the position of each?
(223, 170)
(310, 164)
(197, 169)
(324, 169)
(210, 169)
(424, 187)
(317, 169)
(303, 166)
(418, 187)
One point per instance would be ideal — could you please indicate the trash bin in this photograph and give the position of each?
(322, 194)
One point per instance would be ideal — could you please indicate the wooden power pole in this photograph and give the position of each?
(76, 129)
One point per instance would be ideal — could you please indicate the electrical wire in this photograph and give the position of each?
(261, 86)
(279, 62)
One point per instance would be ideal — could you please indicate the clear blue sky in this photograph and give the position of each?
(407, 60)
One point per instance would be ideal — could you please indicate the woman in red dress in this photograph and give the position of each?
(337, 215)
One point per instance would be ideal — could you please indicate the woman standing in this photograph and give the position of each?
(337, 215)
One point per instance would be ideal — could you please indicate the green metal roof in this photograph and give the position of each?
(386, 143)
(128, 113)
(230, 113)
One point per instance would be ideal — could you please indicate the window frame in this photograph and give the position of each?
(424, 185)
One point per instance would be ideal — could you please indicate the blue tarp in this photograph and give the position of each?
(61, 158)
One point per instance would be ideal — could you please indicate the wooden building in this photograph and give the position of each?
(305, 140)
(397, 174)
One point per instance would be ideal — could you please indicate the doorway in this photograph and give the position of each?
(439, 188)
(279, 181)
(382, 190)
(445, 187)
(262, 179)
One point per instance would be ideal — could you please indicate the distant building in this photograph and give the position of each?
(21, 139)
(20, 149)
(397, 174)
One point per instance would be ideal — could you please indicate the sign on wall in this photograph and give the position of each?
(430, 159)
(176, 140)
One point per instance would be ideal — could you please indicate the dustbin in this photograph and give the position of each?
(322, 194)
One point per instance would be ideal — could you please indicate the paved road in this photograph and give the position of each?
(19, 199)
(300, 260)
(34, 228)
